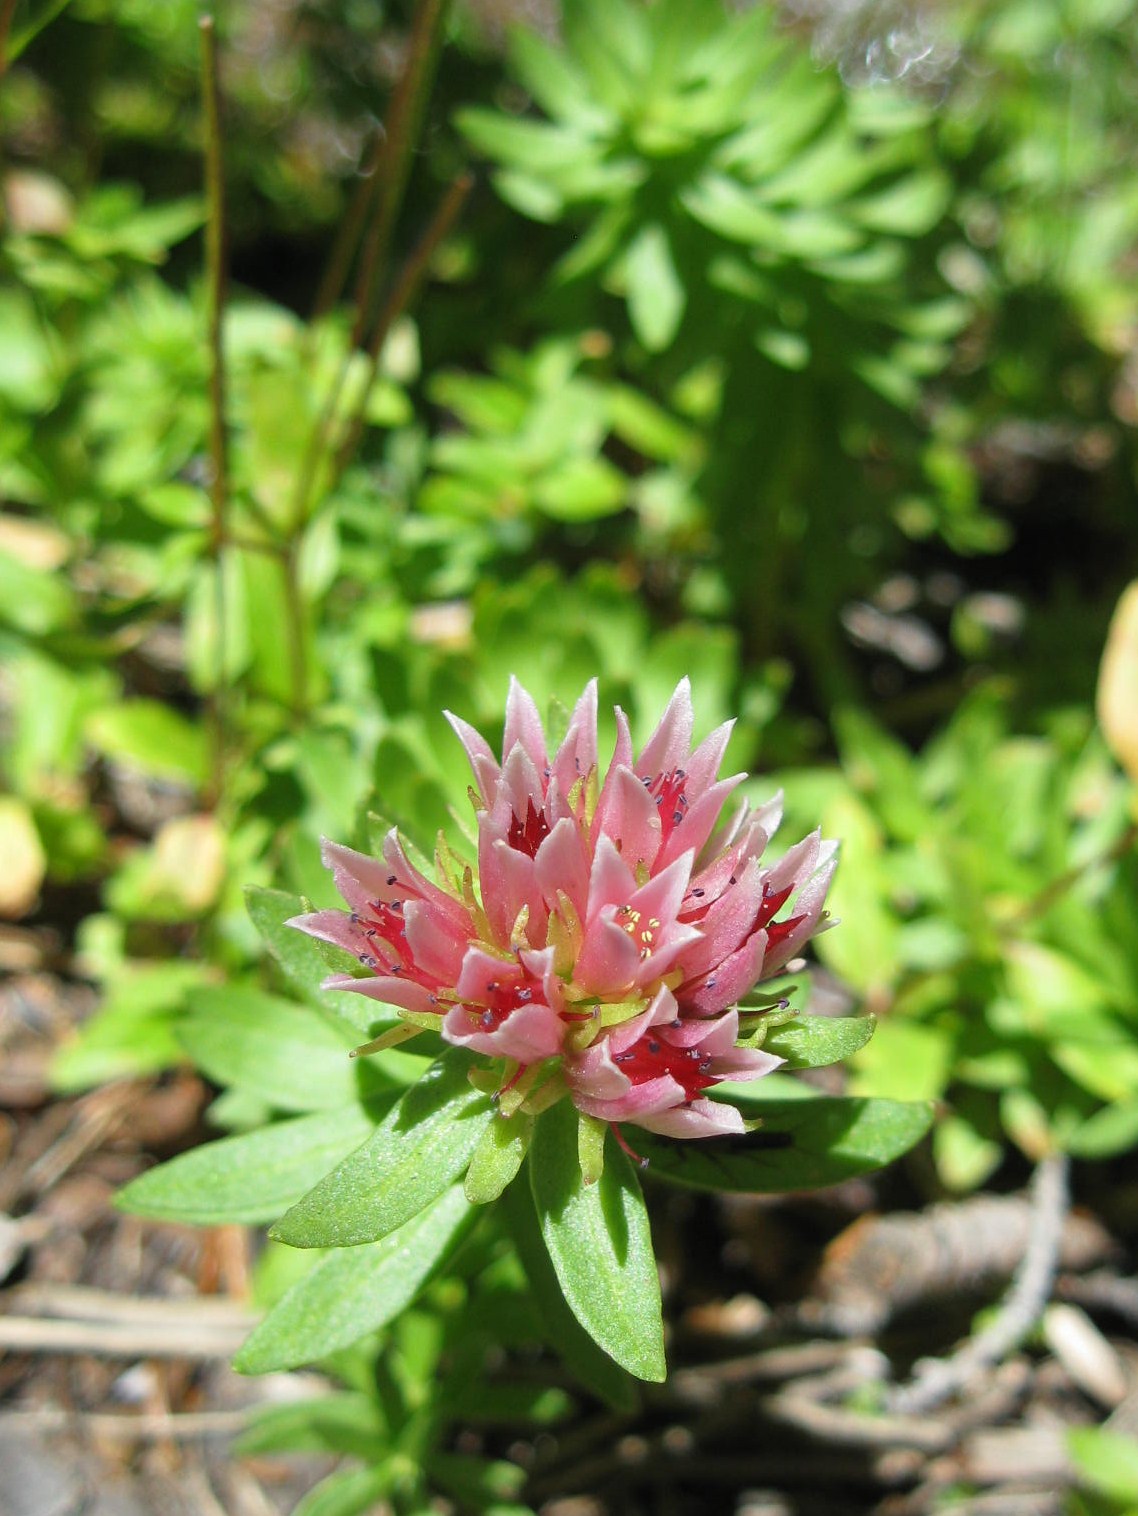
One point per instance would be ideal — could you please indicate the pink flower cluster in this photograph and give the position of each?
(605, 927)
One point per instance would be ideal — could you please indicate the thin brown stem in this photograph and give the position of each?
(1053, 892)
(405, 117)
(294, 603)
(219, 470)
(335, 276)
(7, 11)
(401, 296)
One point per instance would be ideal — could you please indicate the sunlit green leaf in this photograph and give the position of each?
(600, 1245)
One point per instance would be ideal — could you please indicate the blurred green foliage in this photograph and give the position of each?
(821, 392)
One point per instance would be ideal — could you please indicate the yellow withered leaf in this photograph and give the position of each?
(1117, 702)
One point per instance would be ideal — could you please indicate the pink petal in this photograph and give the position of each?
(561, 863)
(611, 881)
(609, 960)
(437, 951)
(808, 904)
(358, 878)
(391, 990)
(483, 973)
(727, 921)
(527, 1035)
(509, 883)
(408, 879)
(523, 726)
(332, 926)
(627, 815)
(670, 744)
(702, 1118)
(729, 981)
(703, 765)
(577, 755)
(638, 1101)
(482, 760)
(699, 821)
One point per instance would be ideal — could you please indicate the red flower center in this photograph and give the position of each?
(386, 931)
(652, 1057)
(528, 835)
(667, 789)
(500, 1002)
(772, 904)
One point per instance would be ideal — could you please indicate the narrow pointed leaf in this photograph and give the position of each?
(811, 1042)
(252, 1178)
(301, 961)
(354, 1290)
(498, 1157)
(424, 1143)
(289, 1055)
(600, 1245)
(563, 1332)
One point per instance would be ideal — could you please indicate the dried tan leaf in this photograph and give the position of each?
(24, 860)
(1117, 702)
(189, 860)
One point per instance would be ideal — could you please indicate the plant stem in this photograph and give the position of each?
(402, 294)
(1053, 892)
(7, 11)
(335, 275)
(392, 172)
(404, 119)
(294, 602)
(219, 470)
(939, 1378)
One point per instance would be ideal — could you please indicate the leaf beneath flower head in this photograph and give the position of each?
(354, 1290)
(801, 1145)
(562, 1331)
(423, 1144)
(600, 1245)
(301, 961)
(251, 1178)
(811, 1042)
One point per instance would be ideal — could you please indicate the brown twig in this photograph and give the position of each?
(402, 294)
(173, 1338)
(186, 1426)
(938, 1379)
(1053, 892)
(407, 107)
(81, 1303)
(335, 275)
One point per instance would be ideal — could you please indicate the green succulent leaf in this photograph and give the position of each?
(811, 1042)
(563, 1332)
(251, 1178)
(498, 1157)
(288, 1054)
(300, 959)
(423, 1144)
(355, 1290)
(600, 1245)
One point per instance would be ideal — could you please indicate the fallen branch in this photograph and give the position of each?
(937, 1379)
(187, 1426)
(883, 1266)
(174, 1337)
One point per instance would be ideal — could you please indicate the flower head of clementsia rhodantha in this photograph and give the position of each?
(609, 930)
